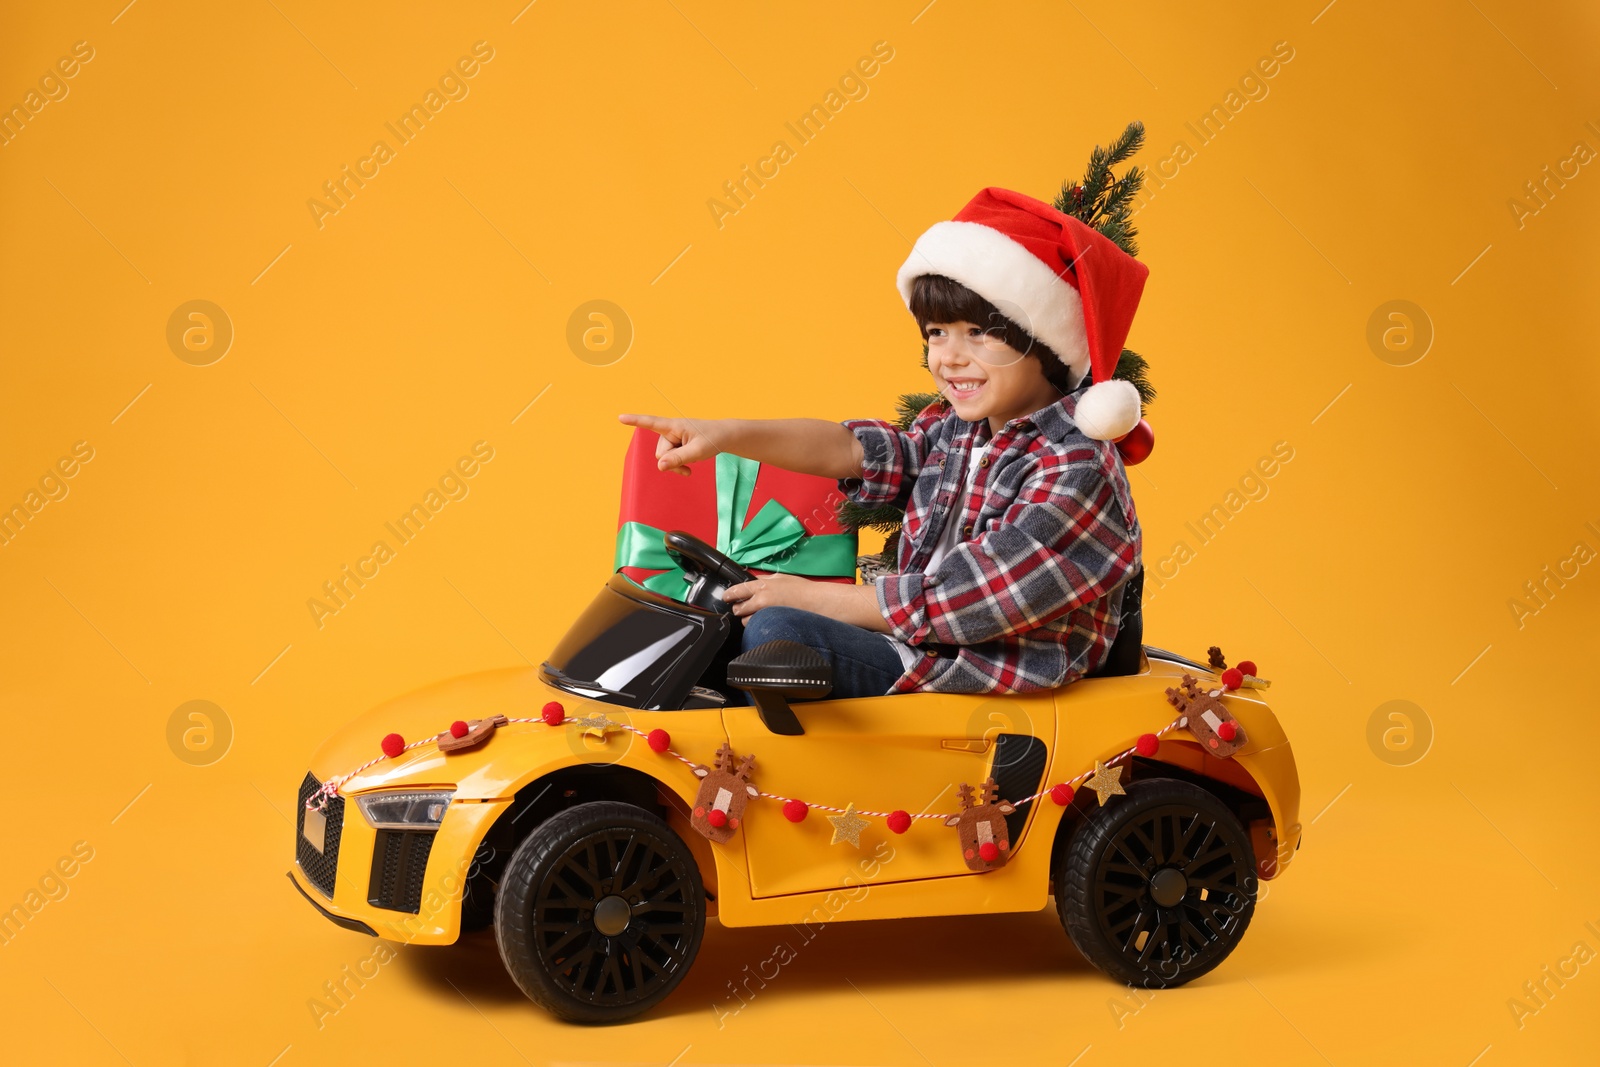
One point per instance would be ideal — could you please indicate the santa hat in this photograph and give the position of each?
(1063, 281)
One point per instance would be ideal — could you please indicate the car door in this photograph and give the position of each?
(908, 751)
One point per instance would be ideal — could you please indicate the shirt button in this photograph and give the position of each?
(984, 462)
(967, 530)
(932, 653)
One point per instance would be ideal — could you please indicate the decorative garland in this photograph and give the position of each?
(725, 785)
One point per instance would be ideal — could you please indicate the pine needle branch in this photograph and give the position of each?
(1132, 367)
(1101, 199)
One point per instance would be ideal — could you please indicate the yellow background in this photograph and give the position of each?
(432, 309)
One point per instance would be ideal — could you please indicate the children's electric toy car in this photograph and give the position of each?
(598, 809)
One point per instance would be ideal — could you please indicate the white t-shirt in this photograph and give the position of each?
(949, 538)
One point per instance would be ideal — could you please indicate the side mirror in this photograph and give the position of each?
(775, 672)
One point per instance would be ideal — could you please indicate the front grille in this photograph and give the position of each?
(319, 867)
(399, 858)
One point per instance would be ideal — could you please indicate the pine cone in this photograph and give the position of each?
(872, 567)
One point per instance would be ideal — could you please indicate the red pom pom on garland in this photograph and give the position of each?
(1147, 744)
(899, 821)
(393, 745)
(1247, 666)
(658, 740)
(988, 852)
(458, 729)
(1061, 794)
(553, 714)
(1232, 678)
(795, 810)
(1228, 731)
(717, 817)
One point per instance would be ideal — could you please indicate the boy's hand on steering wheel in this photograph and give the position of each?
(683, 441)
(772, 590)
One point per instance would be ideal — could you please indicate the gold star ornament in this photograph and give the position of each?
(848, 827)
(594, 726)
(1107, 782)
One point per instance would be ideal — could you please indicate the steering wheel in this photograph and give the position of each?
(709, 571)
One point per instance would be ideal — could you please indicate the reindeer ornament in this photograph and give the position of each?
(1205, 716)
(724, 791)
(464, 735)
(985, 839)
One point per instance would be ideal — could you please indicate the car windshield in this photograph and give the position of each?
(627, 643)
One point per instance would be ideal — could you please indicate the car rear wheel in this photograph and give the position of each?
(600, 912)
(1157, 887)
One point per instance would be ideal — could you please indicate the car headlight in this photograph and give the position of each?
(405, 810)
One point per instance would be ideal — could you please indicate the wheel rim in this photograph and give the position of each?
(611, 918)
(1174, 889)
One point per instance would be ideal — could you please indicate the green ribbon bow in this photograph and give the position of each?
(773, 541)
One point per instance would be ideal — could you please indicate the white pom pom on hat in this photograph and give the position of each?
(1063, 281)
(1107, 410)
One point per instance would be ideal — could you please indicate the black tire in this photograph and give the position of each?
(564, 933)
(1128, 916)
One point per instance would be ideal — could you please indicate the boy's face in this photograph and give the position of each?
(983, 377)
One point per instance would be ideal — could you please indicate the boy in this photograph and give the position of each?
(1019, 525)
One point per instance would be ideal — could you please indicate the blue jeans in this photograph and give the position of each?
(864, 663)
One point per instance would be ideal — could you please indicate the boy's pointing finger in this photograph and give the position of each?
(649, 422)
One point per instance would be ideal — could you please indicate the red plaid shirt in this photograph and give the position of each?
(1031, 597)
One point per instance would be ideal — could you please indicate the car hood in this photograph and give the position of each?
(517, 692)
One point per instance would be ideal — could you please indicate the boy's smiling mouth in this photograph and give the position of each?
(963, 388)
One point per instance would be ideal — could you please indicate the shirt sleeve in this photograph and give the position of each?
(1067, 540)
(892, 458)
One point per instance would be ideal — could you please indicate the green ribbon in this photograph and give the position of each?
(773, 541)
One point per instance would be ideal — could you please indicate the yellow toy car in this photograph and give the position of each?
(599, 809)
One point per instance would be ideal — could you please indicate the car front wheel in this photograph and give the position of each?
(1156, 888)
(600, 912)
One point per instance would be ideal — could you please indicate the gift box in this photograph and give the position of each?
(769, 520)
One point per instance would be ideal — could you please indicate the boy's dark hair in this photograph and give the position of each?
(937, 298)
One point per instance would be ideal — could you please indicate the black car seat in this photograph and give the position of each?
(1127, 646)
